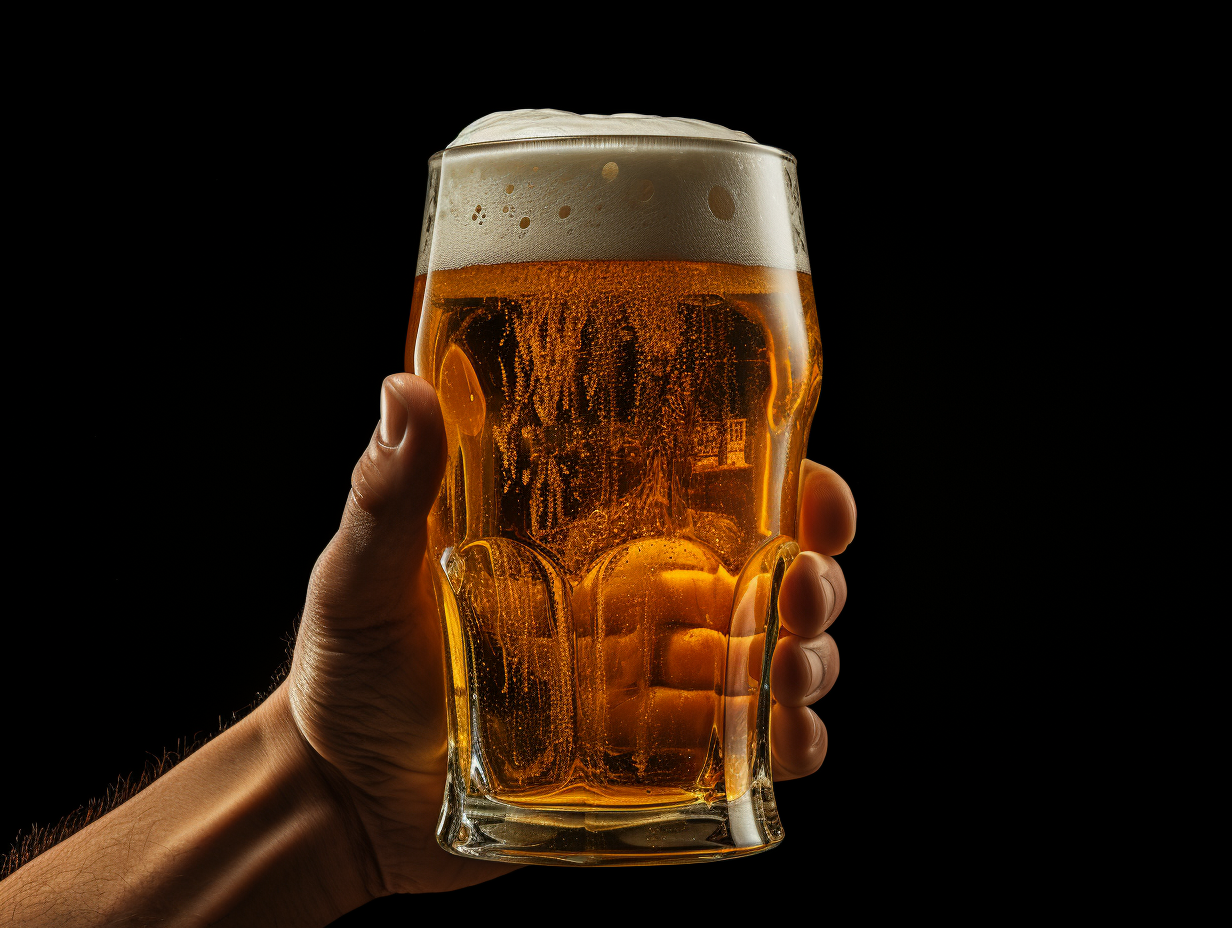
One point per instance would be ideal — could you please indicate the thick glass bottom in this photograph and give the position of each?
(484, 828)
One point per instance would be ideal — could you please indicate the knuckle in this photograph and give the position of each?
(369, 482)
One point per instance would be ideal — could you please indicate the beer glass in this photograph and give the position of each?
(617, 315)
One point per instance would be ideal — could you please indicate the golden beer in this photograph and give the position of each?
(625, 437)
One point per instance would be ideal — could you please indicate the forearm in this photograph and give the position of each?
(247, 830)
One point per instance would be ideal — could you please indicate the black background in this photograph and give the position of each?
(221, 261)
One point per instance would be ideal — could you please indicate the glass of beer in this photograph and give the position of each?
(617, 315)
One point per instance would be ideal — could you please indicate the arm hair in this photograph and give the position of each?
(25, 848)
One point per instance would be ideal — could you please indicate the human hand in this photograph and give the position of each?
(366, 688)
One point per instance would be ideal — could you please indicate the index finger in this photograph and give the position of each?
(827, 521)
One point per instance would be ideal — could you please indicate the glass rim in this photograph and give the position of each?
(578, 141)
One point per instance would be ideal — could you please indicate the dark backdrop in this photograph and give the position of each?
(221, 263)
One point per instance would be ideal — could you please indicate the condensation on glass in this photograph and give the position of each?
(619, 321)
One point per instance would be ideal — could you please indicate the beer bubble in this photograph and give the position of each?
(525, 223)
(509, 188)
(645, 190)
(721, 203)
(610, 170)
(564, 212)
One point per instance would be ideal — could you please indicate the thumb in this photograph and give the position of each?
(372, 568)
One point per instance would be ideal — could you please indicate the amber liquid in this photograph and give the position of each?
(624, 444)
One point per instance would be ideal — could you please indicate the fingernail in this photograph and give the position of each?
(827, 592)
(393, 417)
(818, 668)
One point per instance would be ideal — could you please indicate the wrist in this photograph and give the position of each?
(339, 843)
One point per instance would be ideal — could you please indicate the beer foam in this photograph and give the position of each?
(547, 185)
(511, 125)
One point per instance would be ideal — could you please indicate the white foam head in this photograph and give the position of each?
(546, 185)
(556, 124)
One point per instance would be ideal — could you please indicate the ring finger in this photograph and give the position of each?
(803, 669)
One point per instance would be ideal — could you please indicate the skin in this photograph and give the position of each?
(328, 794)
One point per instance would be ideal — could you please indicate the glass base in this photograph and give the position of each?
(487, 829)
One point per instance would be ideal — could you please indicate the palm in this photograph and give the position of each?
(371, 702)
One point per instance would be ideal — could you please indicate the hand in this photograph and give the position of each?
(366, 688)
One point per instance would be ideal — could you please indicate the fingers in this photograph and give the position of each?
(805, 664)
(374, 562)
(827, 510)
(812, 594)
(687, 587)
(798, 741)
(692, 659)
(803, 669)
(666, 719)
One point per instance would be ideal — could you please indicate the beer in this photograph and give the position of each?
(617, 316)
(622, 439)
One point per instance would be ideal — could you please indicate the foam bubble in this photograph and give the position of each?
(555, 124)
(546, 185)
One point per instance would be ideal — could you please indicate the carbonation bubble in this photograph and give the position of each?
(525, 223)
(610, 170)
(564, 212)
(721, 203)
